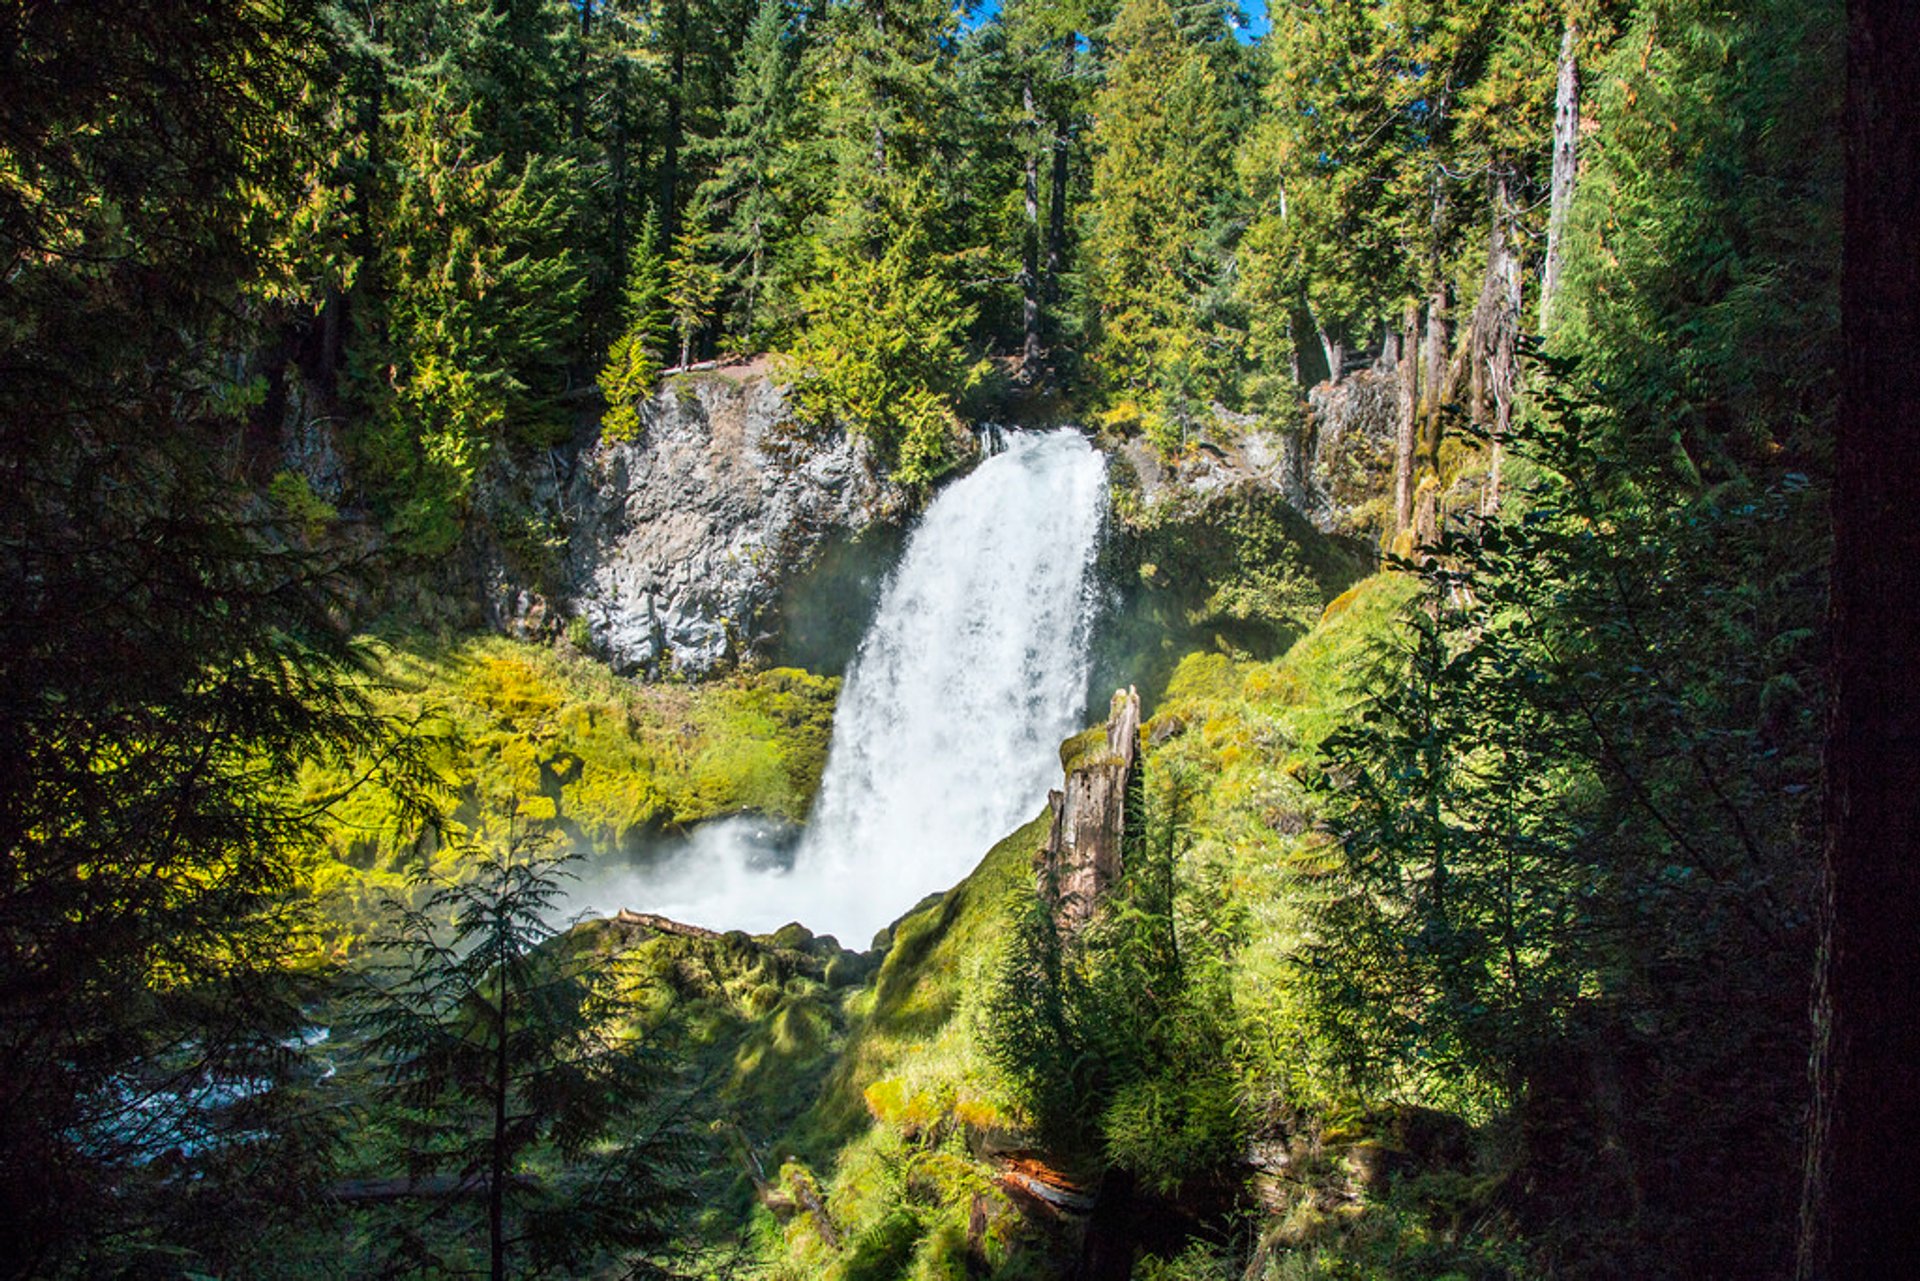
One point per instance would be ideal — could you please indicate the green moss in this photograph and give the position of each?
(893, 1118)
(907, 1097)
(565, 745)
(1247, 733)
(1237, 572)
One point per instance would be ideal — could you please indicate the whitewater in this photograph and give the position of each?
(947, 732)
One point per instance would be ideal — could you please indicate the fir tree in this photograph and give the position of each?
(480, 294)
(170, 651)
(503, 1055)
(1160, 172)
(636, 357)
(692, 287)
(747, 205)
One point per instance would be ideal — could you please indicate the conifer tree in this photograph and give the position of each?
(1162, 138)
(882, 351)
(882, 343)
(747, 206)
(692, 287)
(498, 1048)
(170, 653)
(481, 293)
(636, 357)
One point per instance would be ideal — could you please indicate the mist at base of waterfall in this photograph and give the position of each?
(948, 729)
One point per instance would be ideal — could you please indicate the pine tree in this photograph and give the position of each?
(479, 297)
(1056, 77)
(1572, 872)
(1161, 171)
(882, 351)
(747, 206)
(170, 651)
(636, 357)
(692, 287)
(882, 345)
(499, 1053)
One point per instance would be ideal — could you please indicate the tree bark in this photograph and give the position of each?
(580, 71)
(1503, 288)
(1057, 212)
(670, 159)
(497, 1172)
(1293, 350)
(1566, 143)
(1332, 348)
(1439, 344)
(1408, 372)
(1085, 846)
(1030, 260)
(1861, 1214)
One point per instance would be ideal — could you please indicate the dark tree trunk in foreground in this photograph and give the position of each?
(1861, 1218)
(502, 1138)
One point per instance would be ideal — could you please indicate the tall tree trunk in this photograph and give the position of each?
(1334, 350)
(1439, 310)
(1057, 211)
(670, 159)
(497, 1173)
(580, 71)
(1502, 299)
(1439, 345)
(617, 161)
(1861, 1215)
(1030, 259)
(1293, 350)
(1566, 143)
(1409, 385)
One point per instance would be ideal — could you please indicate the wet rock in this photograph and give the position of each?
(680, 539)
(1344, 464)
(1334, 468)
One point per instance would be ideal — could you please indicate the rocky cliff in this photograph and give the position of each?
(1336, 468)
(679, 540)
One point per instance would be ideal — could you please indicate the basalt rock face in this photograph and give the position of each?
(1336, 469)
(679, 539)
(1345, 458)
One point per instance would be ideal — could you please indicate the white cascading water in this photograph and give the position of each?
(947, 733)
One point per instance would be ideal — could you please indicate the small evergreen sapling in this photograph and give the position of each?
(511, 1069)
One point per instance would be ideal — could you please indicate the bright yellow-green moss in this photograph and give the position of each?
(888, 1139)
(891, 1140)
(564, 745)
(1246, 733)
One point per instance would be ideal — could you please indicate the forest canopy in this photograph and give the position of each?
(1467, 928)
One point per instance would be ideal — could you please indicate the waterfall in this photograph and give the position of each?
(948, 727)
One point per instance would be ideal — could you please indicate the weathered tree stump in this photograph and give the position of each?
(1082, 856)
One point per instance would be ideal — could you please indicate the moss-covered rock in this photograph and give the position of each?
(561, 744)
(1236, 571)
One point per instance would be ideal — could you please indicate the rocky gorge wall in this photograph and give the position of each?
(679, 551)
(1335, 469)
(680, 539)
(665, 554)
